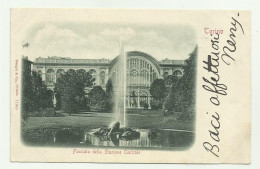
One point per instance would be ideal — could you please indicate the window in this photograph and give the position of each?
(59, 72)
(177, 73)
(102, 77)
(50, 74)
(165, 74)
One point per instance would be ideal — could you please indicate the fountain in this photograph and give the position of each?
(120, 106)
(118, 133)
(118, 129)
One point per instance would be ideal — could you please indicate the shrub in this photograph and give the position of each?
(155, 104)
(97, 98)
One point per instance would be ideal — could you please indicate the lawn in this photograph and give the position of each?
(145, 119)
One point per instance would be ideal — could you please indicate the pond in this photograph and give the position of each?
(81, 137)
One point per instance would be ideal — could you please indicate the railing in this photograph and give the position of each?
(47, 60)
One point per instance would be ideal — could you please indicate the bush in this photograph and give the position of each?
(158, 89)
(97, 98)
(37, 136)
(156, 104)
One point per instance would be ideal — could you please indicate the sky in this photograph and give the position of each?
(84, 40)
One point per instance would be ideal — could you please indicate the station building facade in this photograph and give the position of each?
(142, 70)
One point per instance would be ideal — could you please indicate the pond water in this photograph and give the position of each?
(78, 137)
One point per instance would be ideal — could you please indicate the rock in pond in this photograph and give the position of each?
(102, 132)
(124, 129)
(130, 135)
(115, 128)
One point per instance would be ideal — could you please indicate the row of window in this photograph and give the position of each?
(139, 72)
(177, 73)
(50, 74)
(143, 77)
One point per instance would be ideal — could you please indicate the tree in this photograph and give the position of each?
(109, 95)
(181, 92)
(35, 95)
(97, 97)
(171, 83)
(42, 98)
(70, 89)
(186, 95)
(158, 91)
(26, 101)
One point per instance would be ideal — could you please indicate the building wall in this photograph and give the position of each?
(142, 70)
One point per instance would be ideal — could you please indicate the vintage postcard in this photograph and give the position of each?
(130, 86)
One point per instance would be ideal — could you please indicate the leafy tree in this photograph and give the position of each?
(35, 95)
(181, 92)
(158, 91)
(186, 94)
(109, 95)
(70, 90)
(171, 83)
(26, 100)
(97, 97)
(42, 98)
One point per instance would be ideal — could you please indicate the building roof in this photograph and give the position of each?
(103, 61)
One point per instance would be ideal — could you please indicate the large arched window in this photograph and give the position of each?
(50, 75)
(134, 80)
(177, 73)
(144, 77)
(142, 70)
(59, 73)
(82, 71)
(71, 72)
(102, 77)
(165, 74)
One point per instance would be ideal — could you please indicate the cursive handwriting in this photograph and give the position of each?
(214, 134)
(213, 84)
(231, 43)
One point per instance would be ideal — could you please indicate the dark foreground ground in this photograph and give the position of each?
(143, 119)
